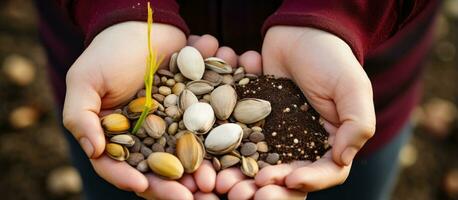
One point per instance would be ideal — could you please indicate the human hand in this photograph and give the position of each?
(335, 84)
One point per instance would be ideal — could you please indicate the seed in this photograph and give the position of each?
(262, 147)
(137, 144)
(159, 97)
(255, 156)
(115, 123)
(157, 147)
(249, 166)
(170, 150)
(135, 158)
(186, 99)
(250, 110)
(172, 128)
(141, 93)
(145, 150)
(117, 151)
(154, 126)
(173, 63)
(239, 73)
(272, 158)
(162, 141)
(163, 80)
(199, 118)
(178, 88)
(165, 72)
(191, 63)
(173, 112)
(218, 65)
(246, 132)
(256, 137)
(170, 82)
(256, 128)
(244, 81)
(199, 87)
(148, 141)
(248, 149)
(223, 100)
(216, 164)
(228, 79)
(123, 139)
(212, 77)
(179, 78)
(224, 138)
(166, 165)
(228, 161)
(164, 90)
(190, 151)
(157, 80)
(170, 100)
(262, 164)
(143, 166)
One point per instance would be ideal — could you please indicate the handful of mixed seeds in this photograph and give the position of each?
(205, 109)
(196, 114)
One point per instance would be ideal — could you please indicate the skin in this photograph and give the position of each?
(110, 71)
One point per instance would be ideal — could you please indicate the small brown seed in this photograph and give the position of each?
(255, 156)
(135, 158)
(143, 166)
(179, 78)
(159, 97)
(256, 128)
(164, 90)
(168, 120)
(173, 112)
(165, 72)
(272, 158)
(262, 147)
(173, 127)
(246, 132)
(162, 141)
(248, 149)
(170, 150)
(154, 90)
(137, 145)
(146, 151)
(141, 93)
(141, 133)
(262, 164)
(148, 141)
(228, 79)
(163, 79)
(256, 137)
(157, 80)
(157, 147)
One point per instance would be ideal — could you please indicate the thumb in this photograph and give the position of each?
(82, 103)
(355, 108)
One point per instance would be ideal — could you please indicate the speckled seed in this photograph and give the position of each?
(168, 120)
(148, 141)
(170, 150)
(256, 137)
(248, 149)
(163, 79)
(135, 158)
(154, 90)
(255, 156)
(141, 133)
(146, 151)
(157, 147)
(244, 81)
(143, 166)
(262, 164)
(173, 127)
(262, 147)
(178, 88)
(272, 158)
(164, 90)
(165, 72)
(157, 80)
(246, 132)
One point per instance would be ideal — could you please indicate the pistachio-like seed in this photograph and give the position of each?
(244, 81)
(115, 123)
(199, 118)
(212, 77)
(190, 151)
(249, 166)
(117, 151)
(228, 161)
(178, 88)
(170, 100)
(250, 110)
(179, 78)
(216, 164)
(223, 139)
(191, 63)
(186, 99)
(223, 100)
(164, 90)
(174, 112)
(173, 63)
(123, 139)
(262, 147)
(199, 87)
(135, 158)
(228, 79)
(218, 65)
(143, 166)
(154, 125)
(172, 129)
(166, 165)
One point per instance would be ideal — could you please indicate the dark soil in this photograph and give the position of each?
(292, 129)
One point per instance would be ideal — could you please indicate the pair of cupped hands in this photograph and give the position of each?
(110, 71)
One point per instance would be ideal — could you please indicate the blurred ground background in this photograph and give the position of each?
(33, 155)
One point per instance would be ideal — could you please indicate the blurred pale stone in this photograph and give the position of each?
(408, 155)
(451, 183)
(19, 69)
(451, 8)
(438, 116)
(64, 180)
(23, 117)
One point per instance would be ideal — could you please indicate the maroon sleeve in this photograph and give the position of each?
(361, 24)
(92, 16)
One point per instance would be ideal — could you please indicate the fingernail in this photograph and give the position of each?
(348, 155)
(87, 146)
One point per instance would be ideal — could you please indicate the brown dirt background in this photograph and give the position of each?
(28, 156)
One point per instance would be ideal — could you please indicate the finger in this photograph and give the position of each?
(319, 175)
(278, 192)
(165, 189)
(205, 177)
(228, 55)
(207, 45)
(252, 62)
(192, 39)
(188, 181)
(243, 190)
(356, 112)
(120, 174)
(205, 196)
(228, 178)
(275, 174)
(80, 115)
